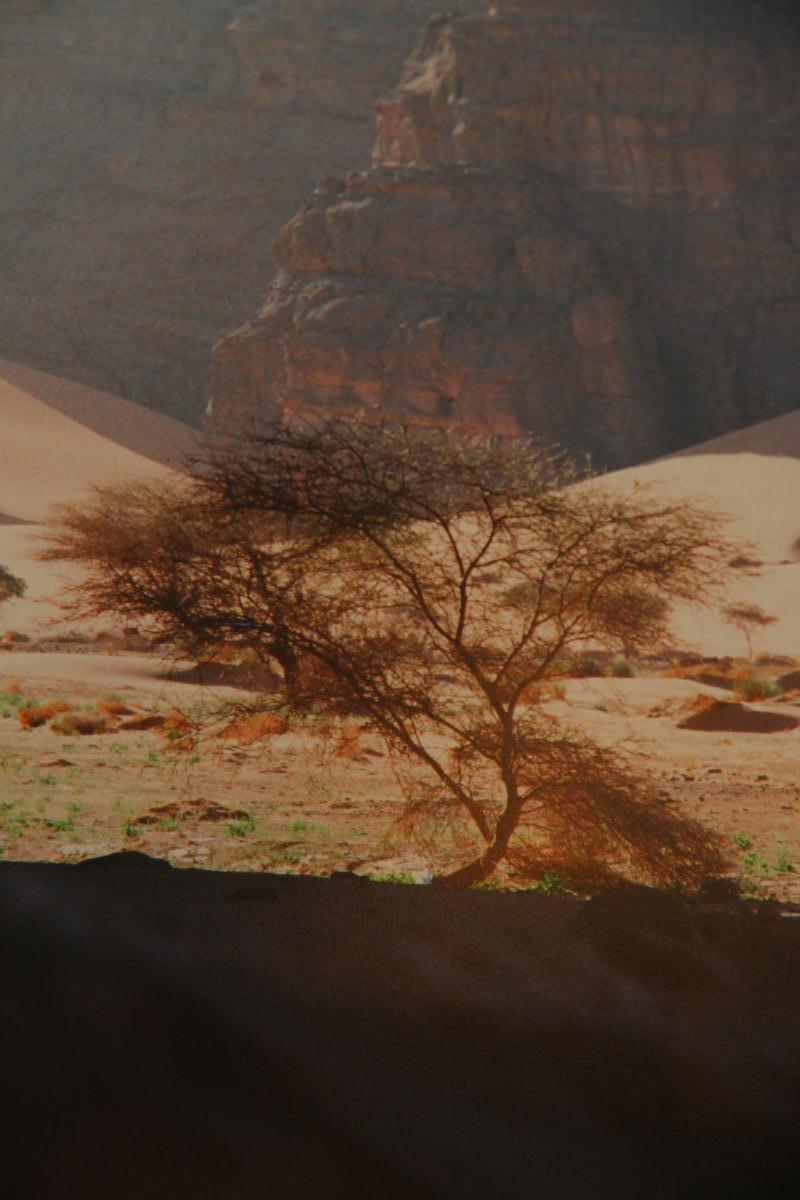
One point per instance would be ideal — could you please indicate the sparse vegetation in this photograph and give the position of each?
(393, 877)
(11, 702)
(84, 723)
(130, 828)
(584, 666)
(34, 714)
(551, 884)
(241, 829)
(783, 864)
(754, 867)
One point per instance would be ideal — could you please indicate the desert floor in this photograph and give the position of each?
(315, 796)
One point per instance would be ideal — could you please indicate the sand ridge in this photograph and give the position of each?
(58, 439)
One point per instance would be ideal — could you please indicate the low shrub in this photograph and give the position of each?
(82, 723)
(584, 666)
(33, 715)
(752, 688)
(620, 668)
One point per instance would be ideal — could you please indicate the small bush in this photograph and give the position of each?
(751, 689)
(242, 829)
(620, 668)
(33, 715)
(82, 723)
(584, 666)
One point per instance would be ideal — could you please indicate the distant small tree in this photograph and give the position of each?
(11, 587)
(435, 585)
(748, 619)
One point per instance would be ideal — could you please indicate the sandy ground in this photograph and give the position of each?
(307, 799)
(322, 796)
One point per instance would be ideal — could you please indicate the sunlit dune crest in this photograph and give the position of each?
(58, 437)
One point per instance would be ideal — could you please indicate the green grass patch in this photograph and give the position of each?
(307, 829)
(241, 829)
(550, 884)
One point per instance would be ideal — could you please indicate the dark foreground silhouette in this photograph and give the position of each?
(191, 1034)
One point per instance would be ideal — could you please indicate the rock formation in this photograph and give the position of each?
(152, 150)
(582, 221)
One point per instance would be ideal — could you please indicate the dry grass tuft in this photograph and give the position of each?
(34, 715)
(83, 723)
(253, 727)
(114, 708)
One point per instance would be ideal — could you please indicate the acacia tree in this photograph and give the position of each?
(748, 619)
(435, 585)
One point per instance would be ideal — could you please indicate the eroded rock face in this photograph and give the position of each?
(151, 153)
(582, 221)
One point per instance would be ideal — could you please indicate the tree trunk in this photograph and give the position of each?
(481, 868)
(285, 656)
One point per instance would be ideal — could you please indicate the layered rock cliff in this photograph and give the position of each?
(152, 150)
(583, 220)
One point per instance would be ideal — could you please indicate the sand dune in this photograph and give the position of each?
(58, 437)
(752, 474)
(753, 477)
